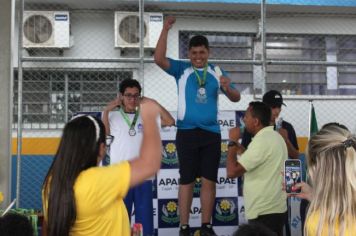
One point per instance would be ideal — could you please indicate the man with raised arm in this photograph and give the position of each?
(198, 135)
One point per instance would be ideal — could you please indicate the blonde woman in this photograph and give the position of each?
(331, 155)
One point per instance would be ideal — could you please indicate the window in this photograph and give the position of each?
(312, 79)
(290, 79)
(46, 103)
(346, 74)
(296, 79)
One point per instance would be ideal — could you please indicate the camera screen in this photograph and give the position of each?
(292, 177)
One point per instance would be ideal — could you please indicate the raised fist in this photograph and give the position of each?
(169, 22)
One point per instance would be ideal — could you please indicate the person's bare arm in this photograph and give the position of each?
(233, 167)
(306, 191)
(149, 160)
(105, 115)
(292, 151)
(44, 227)
(161, 47)
(232, 94)
(166, 117)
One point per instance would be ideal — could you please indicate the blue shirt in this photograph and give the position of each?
(192, 114)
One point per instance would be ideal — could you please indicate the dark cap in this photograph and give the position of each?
(273, 98)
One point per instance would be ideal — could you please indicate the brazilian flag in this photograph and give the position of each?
(313, 126)
(313, 129)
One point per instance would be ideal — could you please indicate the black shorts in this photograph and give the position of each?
(199, 154)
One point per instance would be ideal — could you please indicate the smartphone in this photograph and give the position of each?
(292, 175)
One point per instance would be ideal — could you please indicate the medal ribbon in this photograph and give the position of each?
(201, 81)
(126, 118)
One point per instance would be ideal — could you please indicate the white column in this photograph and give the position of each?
(6, 76)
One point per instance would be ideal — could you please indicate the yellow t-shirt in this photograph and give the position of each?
(99, 193)
(312, 227)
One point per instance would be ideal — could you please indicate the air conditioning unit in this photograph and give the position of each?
(127, 33)
(46, 29)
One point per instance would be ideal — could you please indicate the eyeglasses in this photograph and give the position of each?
(132, 96)
(108, 140)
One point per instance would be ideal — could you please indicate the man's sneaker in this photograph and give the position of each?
(207, 230)
(184, 230)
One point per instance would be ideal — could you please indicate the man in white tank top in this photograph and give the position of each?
(122, 120)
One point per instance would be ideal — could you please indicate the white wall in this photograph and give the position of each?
(311, 25)
(93, 34)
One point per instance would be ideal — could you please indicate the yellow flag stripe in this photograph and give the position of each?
(36, 146)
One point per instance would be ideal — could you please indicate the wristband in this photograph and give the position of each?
(232, 143)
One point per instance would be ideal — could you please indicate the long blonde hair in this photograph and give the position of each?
(331, 155)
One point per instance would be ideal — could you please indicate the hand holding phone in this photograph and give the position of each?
(306, 192)
(292, 176)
